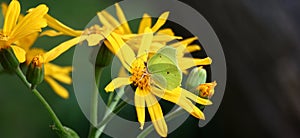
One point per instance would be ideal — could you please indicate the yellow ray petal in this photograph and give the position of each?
(139, 102)
(122, 19)
(195, 98)
(125, 51)
(123, 72)
(109, 46)
(57, 25)
(64, 78)
(11, 16)
(19, 53)
(186, 63)
(193, 48)
(104, 21)
(31, 23)
(145, 23)
(4, 8)
(58, 50)
(172, 96)
(181, 50)
(160, 21)
(176, 96)
(51, 33)
(130, 36)
(191, 108)
(116, 50)
(156, 115)
(52, 68)
(112, 21)
(166, 31)
(117, 83)
(28, 41)
(146, 42)
(164, 38)
(155, 46)
(58, 89)
(184, 42)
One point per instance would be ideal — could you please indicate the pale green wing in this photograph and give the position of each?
(166, 54)
(169, 72)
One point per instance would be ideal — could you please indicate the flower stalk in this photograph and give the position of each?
(62, 131)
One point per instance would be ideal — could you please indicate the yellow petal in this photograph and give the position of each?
(164, 38)
(122, 19)
(156, 115)
(117, 83)
(32, 52)
(11, 16)
(31, 23)
(195, 98)
(19, 53)
(28, 41)
(57, 25)
(184, 42)
(130, 36)
(160, 21)
(94, 39)
(112, 21)
(139, 102)
(64, 78)
(125, 51)
(104, 21)
(186, 63)
(145, 23)
(155, 46)
(109, 46)
(191, 108)
(166, 31)
(59, 73)
(4, 8)
(58, 50)
(52, 68)
(193, 48)
(178, 97)
(116, 48)
(123, 72)
(58, 89)
(51, 33)
(146, 42)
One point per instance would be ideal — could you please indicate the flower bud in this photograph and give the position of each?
(196, 77)
(8, 59)
(207, 90)
(104, 57)
(35, 71)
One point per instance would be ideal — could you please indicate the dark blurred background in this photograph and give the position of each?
(260, 39)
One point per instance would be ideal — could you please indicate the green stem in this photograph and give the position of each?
(111, 111)
(110, 98)
(94, 104)
(57, 122)
(179, 111)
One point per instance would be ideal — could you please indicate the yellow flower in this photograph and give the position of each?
(14, 29)
(97, 33)
(52, 71)
(146, 91)
(160, 38)
(206, 90)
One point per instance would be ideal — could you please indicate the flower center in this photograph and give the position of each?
(37, 61)
(140, 75)
(3, 41)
